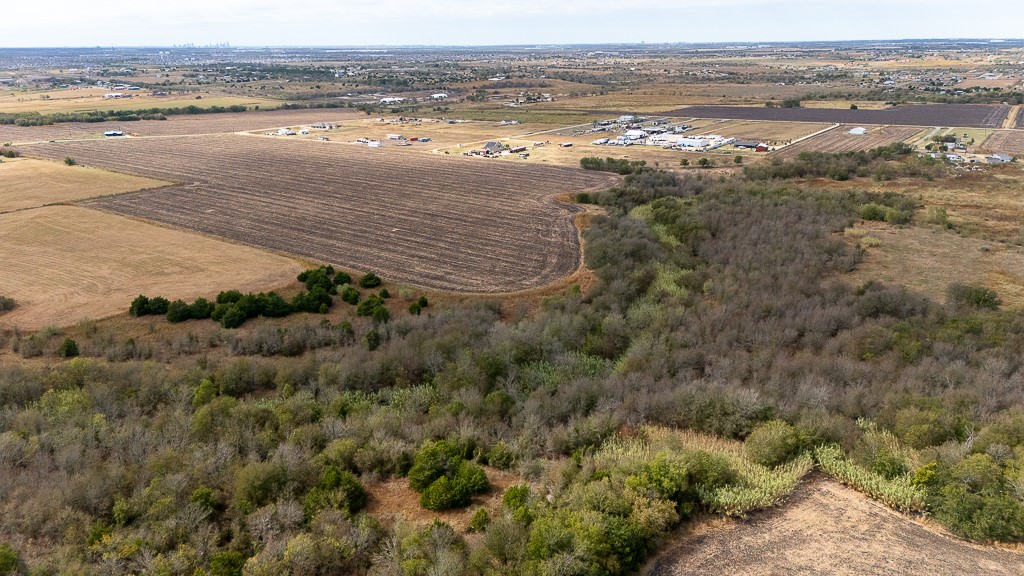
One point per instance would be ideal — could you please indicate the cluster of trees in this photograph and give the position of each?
(883, 163)
(718, 306)
(156, 113)
(232, 308)
(620, 166)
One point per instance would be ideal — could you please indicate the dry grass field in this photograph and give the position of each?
(928, 260)
(27, 183)
(461, 224)
(827, 528)
(87, 99)
(65, 263)
(840, 140)
(184, 125)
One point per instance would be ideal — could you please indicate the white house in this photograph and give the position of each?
(998, 159)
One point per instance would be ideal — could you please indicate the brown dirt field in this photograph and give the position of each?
(184, 125)
(28, 183)
(767, 132)
(840, 140)
(1006, 142)
(974, 115)
(393, 499)
(435, 221)
(64, 263)
(927, 260)
(827, 528)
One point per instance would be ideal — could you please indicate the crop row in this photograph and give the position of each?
(840, 140)
(448, 223)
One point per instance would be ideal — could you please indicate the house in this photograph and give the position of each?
(492, 148)
(998, 159)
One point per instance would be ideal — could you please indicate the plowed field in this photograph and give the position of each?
(963, 115)
(840, 140)
(460, 224)
(1006, 142)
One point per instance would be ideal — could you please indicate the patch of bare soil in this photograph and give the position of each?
(827, 528)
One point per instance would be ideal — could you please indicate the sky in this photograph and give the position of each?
(58, 23)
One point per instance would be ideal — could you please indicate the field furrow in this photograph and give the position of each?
(449, 223)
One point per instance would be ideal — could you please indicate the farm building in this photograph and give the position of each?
(998, 159)
(322, 126)
(439, 96)
(635, 134)
(113, 133)
(858, 131)
(626, 119)
(392, 100)
(749, 144)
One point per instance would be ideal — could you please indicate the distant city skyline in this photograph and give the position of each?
(59, 23)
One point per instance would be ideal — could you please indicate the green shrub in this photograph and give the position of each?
(963, 295)
(226, 563)
(201, 309)
(204, 393)
(350, 295)
(415, 308)
(434, 460)
(178, 311)
(373, 340)
(444, 494)
(342, 278)
(370, 280)
(68, 160)
(338, 489)
(258, 484)
(10, 563)
(772, 443)
(232, 316)
(68, 348)
(6, 303)
(480, 520)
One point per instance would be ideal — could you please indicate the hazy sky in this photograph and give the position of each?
(451, 22)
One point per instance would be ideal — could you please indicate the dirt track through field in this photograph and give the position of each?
(461, 224)
(826, 528)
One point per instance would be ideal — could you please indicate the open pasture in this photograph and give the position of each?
(183, 125)
(462, 224)
(969, 115)
(27, 183)
(840, 140)
(66, 263)
(86, 99)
